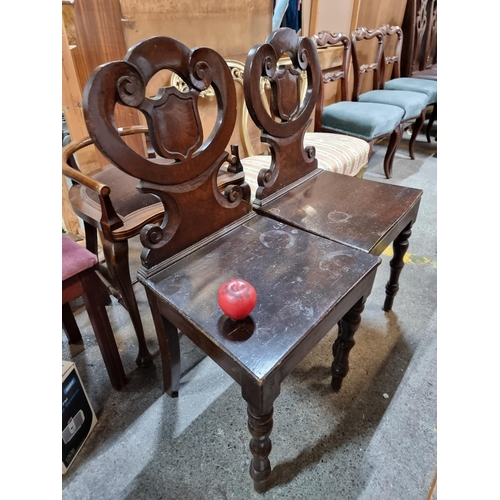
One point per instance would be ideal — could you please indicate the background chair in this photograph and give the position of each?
(358, 213)
(108, 202)
(343, 154)
(365, 120)
(368, 59)
(392, 60)
(79, 279)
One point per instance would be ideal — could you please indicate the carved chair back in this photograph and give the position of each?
(328, 39)
(281, 60)
(392, 47)
(373, 55)
(183, 174)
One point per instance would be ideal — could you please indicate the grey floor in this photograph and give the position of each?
(376, 439)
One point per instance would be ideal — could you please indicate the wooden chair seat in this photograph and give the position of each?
(134, 208)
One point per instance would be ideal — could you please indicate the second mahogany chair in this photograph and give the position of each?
(207, 238)
(359, 213)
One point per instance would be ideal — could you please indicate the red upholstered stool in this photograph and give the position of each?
(80, 279)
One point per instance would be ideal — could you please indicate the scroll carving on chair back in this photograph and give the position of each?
(184, 172)
(285, 121)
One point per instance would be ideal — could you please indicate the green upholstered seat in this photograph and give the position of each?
(364, 120)
(428, 87)
(413, 103)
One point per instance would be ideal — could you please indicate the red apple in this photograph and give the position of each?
(237, 298)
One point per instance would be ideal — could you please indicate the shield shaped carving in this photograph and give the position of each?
(176, 124)
(288, 86)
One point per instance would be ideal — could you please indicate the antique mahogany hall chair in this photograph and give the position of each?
(79, 279)
(207, 238)
(359, 213)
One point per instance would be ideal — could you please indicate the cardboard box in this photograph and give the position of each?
(78, 417)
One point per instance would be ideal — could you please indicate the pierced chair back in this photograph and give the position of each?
(284, 122)
(184, 160)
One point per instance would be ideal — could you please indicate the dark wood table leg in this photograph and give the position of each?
(344, 343)
(168, 342)
(260, 427)
(400, 246)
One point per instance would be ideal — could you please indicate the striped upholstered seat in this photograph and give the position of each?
(335, 153)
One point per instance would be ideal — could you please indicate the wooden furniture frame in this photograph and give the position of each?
(208, 237)
(80, 280)
(370, 112)
(393, 62)
(376, 67)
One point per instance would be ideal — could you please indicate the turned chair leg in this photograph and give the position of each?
(260, 427)
(116, 255)
(400, 247)
(417, 126)
(432, 119)
(344, 343)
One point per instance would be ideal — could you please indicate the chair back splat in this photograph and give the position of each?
(284, 129)
(185, 161)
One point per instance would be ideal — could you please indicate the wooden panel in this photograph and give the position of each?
(99, 39)
(373, 14)
(231, 28)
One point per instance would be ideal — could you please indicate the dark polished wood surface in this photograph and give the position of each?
(305, 285)
(363, 214)
(301, 280)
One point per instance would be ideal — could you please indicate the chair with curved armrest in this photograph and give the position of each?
(366, 60)
(413, 84)
(108, 202)
(367, 121)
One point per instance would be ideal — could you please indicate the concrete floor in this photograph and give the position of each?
(376, 439)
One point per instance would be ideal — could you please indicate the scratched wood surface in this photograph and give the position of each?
(300, 279)
(361, 213)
